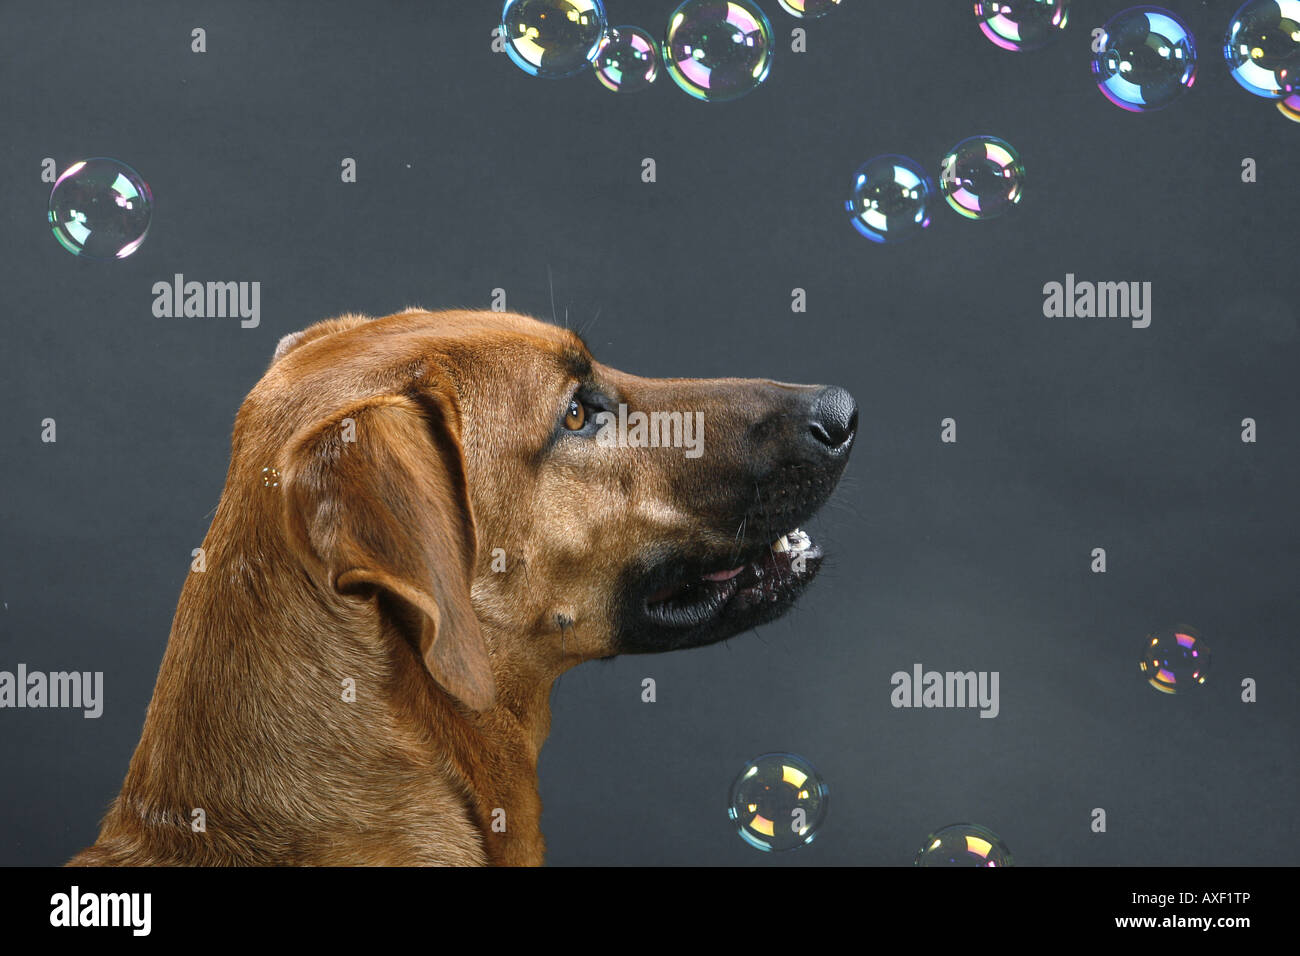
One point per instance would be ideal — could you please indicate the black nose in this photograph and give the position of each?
(834, 418)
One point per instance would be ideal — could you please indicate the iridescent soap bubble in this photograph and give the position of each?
(1290, 107)
(1263, 47)
(100, 208)
(718, 50)
(1147, 59)
(552, 38)
(963, 844)
(628, 60)
(778, 802)
(891, 198)
(982, 177)
(1022, 24)
(1174, 659)
(808, 9)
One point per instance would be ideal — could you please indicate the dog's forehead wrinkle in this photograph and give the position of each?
(500, 372)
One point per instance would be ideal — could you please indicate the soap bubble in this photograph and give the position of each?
(808, 9)
(718, 50)
(552, 38)
(100, 209)
(982, 177)
(1022, 24)
(1147, 59)
(891, 198)
(628, 60)
(1174, 659)
(963, 844)
(1263, 47)
(778, 802)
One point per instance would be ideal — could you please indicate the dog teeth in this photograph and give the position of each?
(794, 540)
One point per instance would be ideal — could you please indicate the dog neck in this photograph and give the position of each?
(307, 731)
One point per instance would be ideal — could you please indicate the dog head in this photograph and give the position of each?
(516, 507)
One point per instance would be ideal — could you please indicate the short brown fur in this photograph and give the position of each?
(371, 561)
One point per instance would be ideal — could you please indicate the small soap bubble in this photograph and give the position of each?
(718, 50)
(808, 9)
(270, 478)
(1290, 107)
(963, 844)
(982, 177)
(1147, 59)
(891, 198)
(1022, 24)
(1263, 47)
(628, 60)
(1174, 659)
(100, 209)
(553, 38)
(778, 802)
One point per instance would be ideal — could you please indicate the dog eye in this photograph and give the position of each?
(577, 416)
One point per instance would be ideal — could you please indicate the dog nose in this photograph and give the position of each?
(834, 418)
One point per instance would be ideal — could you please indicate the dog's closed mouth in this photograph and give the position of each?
(772, 577)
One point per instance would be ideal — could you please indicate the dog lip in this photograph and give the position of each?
(694, 607)
(693, 598)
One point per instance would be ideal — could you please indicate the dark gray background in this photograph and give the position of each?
(1073, 434)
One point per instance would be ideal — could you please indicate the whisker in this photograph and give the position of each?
(841, 504)
(767, 518)
(738, 541)
(582, 333)
(551, 282)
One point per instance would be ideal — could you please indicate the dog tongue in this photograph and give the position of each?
(664, 593)
(724, 575)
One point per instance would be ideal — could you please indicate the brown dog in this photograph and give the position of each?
(427, 519)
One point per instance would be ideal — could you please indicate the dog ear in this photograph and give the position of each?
(377, 493)
(326, 327)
